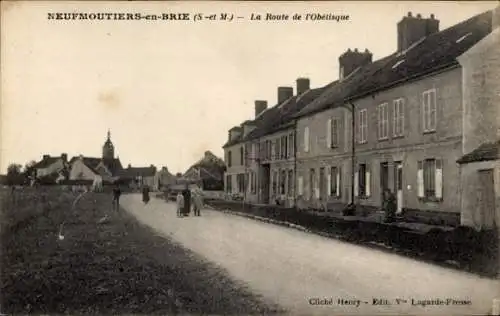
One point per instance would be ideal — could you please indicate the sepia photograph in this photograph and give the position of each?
(250, 158)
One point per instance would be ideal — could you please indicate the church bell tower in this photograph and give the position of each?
(108, 150)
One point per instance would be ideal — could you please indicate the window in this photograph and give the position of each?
(229, 185)
(362, 179)
(275, 179)
(242, 156)
(306, 139)
(363, 126)
(335, 132)
(383, 121)
(312, 183)
(254, 182)
(334, 181)
(268, 149)
(284, 145)
(341, 73)
(282, 181)
(300, 186)
(240, 179)
(291, 144)
(429, 110)
(430, 178)
(229, 159)
(398, 122)
(290, 182)
(278, 149)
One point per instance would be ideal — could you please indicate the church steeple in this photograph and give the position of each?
(108, 150)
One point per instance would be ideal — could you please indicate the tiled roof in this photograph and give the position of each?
(46, 162)
(437, 51)
(485, 152)
(114, 166)
(210, 166)
(133, 172)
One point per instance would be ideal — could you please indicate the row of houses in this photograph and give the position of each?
(422, 122)
(207, 173)
(108, 168)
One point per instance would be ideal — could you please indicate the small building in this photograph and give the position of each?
(138, 177)
(50, 168)
(108, 168)
(208, 173)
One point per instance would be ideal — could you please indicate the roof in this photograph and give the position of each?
(46, 162)
(436, 52)
(114, 166)
(132, 172)
(208, 167)
(485, 152)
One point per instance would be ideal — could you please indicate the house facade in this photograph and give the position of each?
(480, 166)
(50, 166)
(397, 124)
(108, 168)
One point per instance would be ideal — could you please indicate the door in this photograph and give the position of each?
(264, 184)
(398, 185)
(384, 179)
(322, 184)
(486, 198)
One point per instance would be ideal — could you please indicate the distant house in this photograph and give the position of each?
(51, 168)
(208, 172)
(140, 176)
(87, 168)
(108, 168)
(163, 178)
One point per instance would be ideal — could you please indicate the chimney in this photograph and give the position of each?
(303, 84)
(411, 29)
(129, 166)
(235, 132)
(351, 60)
(44, 157)
(260, 106)
(284, 93)
(64, 157)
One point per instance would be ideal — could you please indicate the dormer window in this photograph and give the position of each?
(341, 73)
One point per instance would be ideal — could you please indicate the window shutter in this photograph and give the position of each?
(337, 180)
(300, 185)
(420, 179)
(329, 133)
(329, 182)
(439, 178)
(356, 183)
(368, 181)
(306, 139)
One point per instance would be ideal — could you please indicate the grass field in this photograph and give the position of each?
(116, 266)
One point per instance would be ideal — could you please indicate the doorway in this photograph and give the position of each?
(398, 185)
(486, 198)
(264, 184)
(322, 182)
(384, 179)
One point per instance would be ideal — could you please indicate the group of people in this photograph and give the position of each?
(189, 199)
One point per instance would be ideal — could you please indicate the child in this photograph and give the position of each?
(197, 202)
(180, 204)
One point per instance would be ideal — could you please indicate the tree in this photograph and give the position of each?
(29, 166)
(14, 174)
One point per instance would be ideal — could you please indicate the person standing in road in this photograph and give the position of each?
(180, 204)
(116, 197)
(197, 202)
(187, 200)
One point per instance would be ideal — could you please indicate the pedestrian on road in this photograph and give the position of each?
(197, 202)
(187, 200)
(180, 204)
(116, 197)
(145, 194)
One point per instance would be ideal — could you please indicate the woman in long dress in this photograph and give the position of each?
(145, 194)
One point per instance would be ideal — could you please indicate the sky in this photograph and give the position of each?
(170, 90)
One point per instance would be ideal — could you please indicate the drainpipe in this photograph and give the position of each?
(295, 164)
(353, 150)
